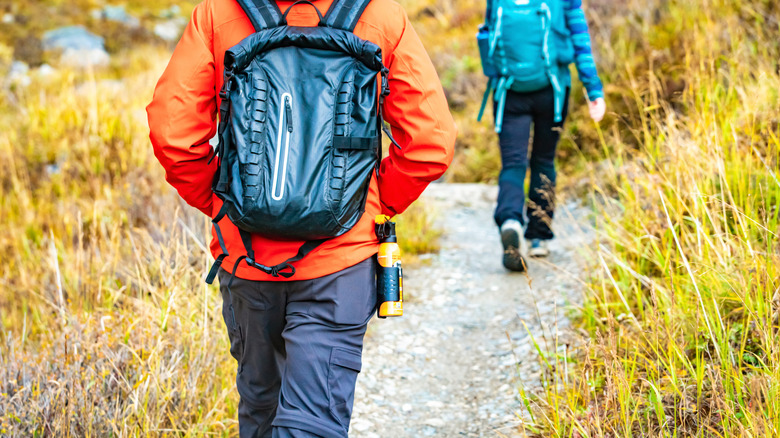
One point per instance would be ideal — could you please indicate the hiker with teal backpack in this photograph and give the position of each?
(526, 48)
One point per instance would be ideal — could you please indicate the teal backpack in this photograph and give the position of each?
(525, 46)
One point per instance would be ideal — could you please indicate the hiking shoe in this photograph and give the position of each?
(511, 230)
(538, 248)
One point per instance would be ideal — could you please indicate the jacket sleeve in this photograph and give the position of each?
(182, 114)
(583, 54)
(421, 123)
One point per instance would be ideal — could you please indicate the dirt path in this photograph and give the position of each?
(450, 366)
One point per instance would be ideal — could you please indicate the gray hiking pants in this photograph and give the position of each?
(298, 345)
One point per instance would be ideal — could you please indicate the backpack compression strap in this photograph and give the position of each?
(284, 269)
(344, 14)
(221, 258)
(264, 14)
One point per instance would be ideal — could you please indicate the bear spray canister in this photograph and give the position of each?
(389, 273)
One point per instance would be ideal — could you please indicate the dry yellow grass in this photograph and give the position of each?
(107, 327)
(682, 305)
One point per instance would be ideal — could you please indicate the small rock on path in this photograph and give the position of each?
(451, 366)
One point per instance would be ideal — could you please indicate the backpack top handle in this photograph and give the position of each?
(319, 14)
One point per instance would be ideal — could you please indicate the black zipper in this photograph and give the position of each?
(288, 107)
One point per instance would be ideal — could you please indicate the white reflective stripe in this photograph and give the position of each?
(286, 159)
(282, 130)
(496, 32)
(546, 20)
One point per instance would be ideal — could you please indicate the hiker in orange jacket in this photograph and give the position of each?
(298, 343)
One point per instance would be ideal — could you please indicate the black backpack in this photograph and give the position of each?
(299, 129)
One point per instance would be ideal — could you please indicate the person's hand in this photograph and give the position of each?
(597, 109)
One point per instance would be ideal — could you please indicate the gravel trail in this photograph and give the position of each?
(450, 367)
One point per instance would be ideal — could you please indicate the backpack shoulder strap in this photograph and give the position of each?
(344, 14)
(489, 11)
(263, 14)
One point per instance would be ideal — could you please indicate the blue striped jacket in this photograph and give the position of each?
(583, 52)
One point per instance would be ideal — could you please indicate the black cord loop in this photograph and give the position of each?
(319, 14)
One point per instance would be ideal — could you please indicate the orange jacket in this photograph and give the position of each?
(182, 120)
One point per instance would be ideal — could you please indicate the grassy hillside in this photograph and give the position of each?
(106, 324)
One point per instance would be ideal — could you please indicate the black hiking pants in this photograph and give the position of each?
(298, 345)
(524, 110)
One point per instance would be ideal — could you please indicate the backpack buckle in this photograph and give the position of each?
(274, 271)
(385, 82)
(223, 92)
(252, 263)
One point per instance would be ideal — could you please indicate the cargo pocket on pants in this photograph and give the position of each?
(234, 331)
(342, 376)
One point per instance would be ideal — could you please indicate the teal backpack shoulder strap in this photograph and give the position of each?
(345, 14)
(264, 14)
(499, 87)
(491, 85)
(559, 94)
(489, 11)
(549, 15)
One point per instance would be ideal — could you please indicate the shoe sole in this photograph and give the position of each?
(538, 253)
(513, 260)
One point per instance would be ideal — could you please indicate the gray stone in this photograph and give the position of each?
(170, 30)
(171, 12)
(72, 37)
(434, 422)
(361, 425)
(80, 47)
(53, 169)
(46, 71)
(19, 74)
(116, 13)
